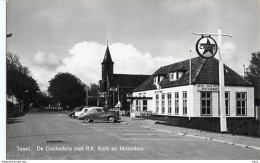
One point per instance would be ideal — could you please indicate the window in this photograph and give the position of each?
(180, 74)
(184, 97)
(138, 105)
(176, 102)
(169, 97)
(227, 103)
(158, 79)
(171, 76)
(144, 105)
(205, 103)
(175, 75)
(163, 103)
(157, 103)
(241, 103)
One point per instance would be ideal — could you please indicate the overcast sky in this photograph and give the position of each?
(52, 36)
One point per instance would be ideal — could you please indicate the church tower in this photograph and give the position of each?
(107, 66)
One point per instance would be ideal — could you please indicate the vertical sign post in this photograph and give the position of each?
(223, 119)
(206, 48)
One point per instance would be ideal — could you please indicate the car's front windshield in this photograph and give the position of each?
(85, 110)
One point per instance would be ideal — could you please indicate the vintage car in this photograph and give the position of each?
(99, 113)
(77, 109)
(83, 110)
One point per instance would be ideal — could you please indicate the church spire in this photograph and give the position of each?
(107, 58)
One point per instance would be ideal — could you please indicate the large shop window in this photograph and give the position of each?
(206, 103)
(241, 103)
(163, 103)
(144, 105)
(176, 102)
(169, 97)
(157, 103)
(138, 105)
(184, 97)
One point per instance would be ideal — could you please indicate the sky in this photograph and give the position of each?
(52, 36)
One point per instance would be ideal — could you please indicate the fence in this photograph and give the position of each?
(53, 108)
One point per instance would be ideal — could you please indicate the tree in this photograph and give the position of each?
(20, 82)
(68, 90)
(42, 99)
(254, 67)
(93, 94)
(253, 74)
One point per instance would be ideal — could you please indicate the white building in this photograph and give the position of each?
(169, 92)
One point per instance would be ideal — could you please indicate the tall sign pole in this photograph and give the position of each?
(208, 49)
(223, 119)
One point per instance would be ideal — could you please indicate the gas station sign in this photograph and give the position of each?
(206, 47)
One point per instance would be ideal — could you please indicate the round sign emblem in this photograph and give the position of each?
(206, 47)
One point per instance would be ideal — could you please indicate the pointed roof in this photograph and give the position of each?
(107, 58)
(203, 71)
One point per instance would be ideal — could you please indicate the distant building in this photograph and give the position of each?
(170, 92)
(116, 87)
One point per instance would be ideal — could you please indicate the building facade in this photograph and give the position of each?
(192, 91)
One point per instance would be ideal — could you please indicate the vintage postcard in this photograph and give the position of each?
(132, 80)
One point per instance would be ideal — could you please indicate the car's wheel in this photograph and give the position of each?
(87, 120)
(111, 119)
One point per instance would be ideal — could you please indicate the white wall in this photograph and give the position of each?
(194, 101)
(152, 103)
(232, 90)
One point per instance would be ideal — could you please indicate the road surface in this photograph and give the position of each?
(53, 135)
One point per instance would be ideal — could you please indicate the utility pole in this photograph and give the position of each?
(86, 95)
(223, 120)
(244, 70)
(190, 94)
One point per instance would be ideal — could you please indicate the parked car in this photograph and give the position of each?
(77, 109)
(83, 110)
(99, 113)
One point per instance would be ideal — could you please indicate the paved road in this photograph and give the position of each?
(49, 135)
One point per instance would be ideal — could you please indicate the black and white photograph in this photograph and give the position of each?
(130, 80)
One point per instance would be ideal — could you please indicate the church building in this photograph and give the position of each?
(114, 88)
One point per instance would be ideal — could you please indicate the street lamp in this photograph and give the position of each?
(244, 70)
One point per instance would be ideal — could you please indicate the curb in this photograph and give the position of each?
(198, 137)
